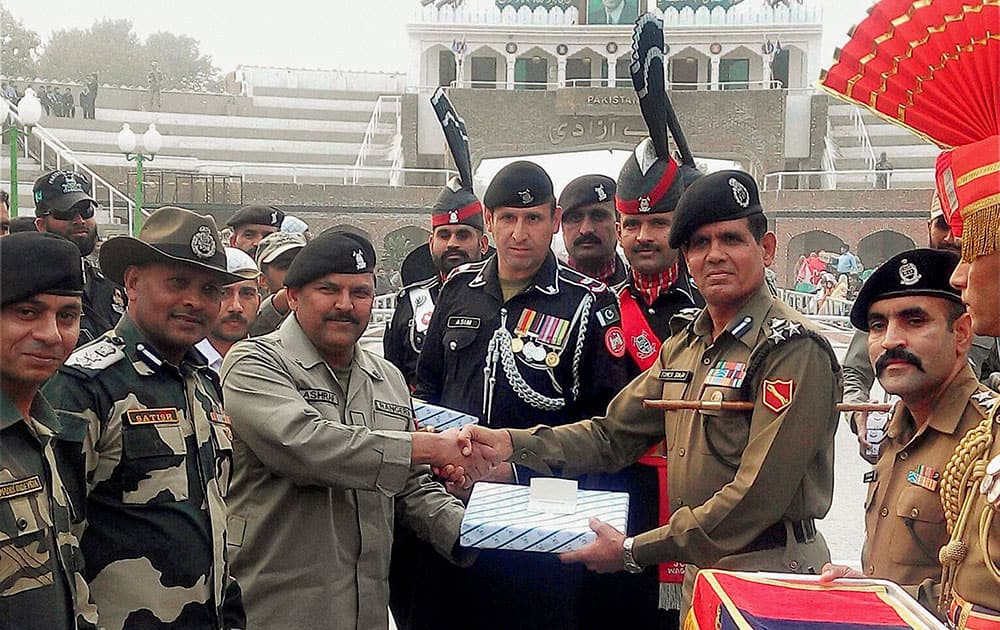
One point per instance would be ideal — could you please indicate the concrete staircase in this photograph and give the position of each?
(906, 151)
(278, 135)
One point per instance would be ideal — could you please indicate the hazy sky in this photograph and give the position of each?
(342, 34)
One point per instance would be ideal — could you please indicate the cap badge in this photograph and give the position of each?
(526, 196)
(453, 216)
(908, 273)
(70, 185)
(644, 205)
(740, 192)
(601, 194)
(359, 260)
(202, 243)
(274, 218)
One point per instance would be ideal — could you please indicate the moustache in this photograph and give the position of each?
(645, 247)
(897, 354)
(235, 317)
(587, 239)
(455, 252)
(342, 318)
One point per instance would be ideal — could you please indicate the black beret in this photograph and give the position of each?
(915, 272)
(260, 215)
(588, 190)
(333, 251)
(38, 262)
(457, 205)
(520, 184)
(719, 196)
(60, 190)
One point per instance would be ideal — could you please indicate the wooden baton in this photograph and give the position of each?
(722, 405)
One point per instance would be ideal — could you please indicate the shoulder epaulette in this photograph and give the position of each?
(781, 331)
(986, 400)
(572, 276)
(97, 355)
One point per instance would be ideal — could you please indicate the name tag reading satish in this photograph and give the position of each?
(401, 411)
(674, 376)
(318, 395)
(463, 322)
(19, 487)
(152, 416)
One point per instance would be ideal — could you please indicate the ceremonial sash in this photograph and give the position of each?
(643, 346)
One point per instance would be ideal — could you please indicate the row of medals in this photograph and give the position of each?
(533, 351)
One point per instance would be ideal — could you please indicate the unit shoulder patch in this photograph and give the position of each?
(97, 355)
(778, 394)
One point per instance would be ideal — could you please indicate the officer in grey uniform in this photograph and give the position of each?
(159, 450)
(41, 463)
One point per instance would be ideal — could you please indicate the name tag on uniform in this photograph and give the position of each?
(869, 477)
(152, 416)
(19, 487)
(401, 411)
(674, 376)
(318, 395)
(463, 322)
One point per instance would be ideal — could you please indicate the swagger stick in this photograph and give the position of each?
(712, 405)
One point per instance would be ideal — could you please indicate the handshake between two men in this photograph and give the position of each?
(463, 456)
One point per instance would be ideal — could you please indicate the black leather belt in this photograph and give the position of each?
(775, 536)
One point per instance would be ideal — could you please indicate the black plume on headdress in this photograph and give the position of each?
(456, 135)
(648, 78)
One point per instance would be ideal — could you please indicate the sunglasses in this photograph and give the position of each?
(69, 214)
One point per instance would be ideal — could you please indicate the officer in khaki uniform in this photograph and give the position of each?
(326, 459)
(918, 337)
(745, 487)
(159, 449)
(41, 462)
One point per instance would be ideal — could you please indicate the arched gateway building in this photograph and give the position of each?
(531, 77)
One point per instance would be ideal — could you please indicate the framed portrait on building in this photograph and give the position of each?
(613, 11)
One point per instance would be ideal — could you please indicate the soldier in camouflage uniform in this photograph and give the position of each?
(41, 468)
(159, 450)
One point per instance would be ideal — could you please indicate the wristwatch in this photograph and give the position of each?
(630, 564)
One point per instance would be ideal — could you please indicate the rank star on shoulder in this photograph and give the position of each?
(985, 398)
(793, 329)
(776, 335)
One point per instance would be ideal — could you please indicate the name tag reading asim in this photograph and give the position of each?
(152, 416)
(463, 322)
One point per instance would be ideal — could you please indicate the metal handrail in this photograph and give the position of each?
(831, 149)
(861, 132)
(372, 130)
(832, 175)
(809, 304)
(64, 154)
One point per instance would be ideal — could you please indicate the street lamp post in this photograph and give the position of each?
(29, 112)
(152, 141)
